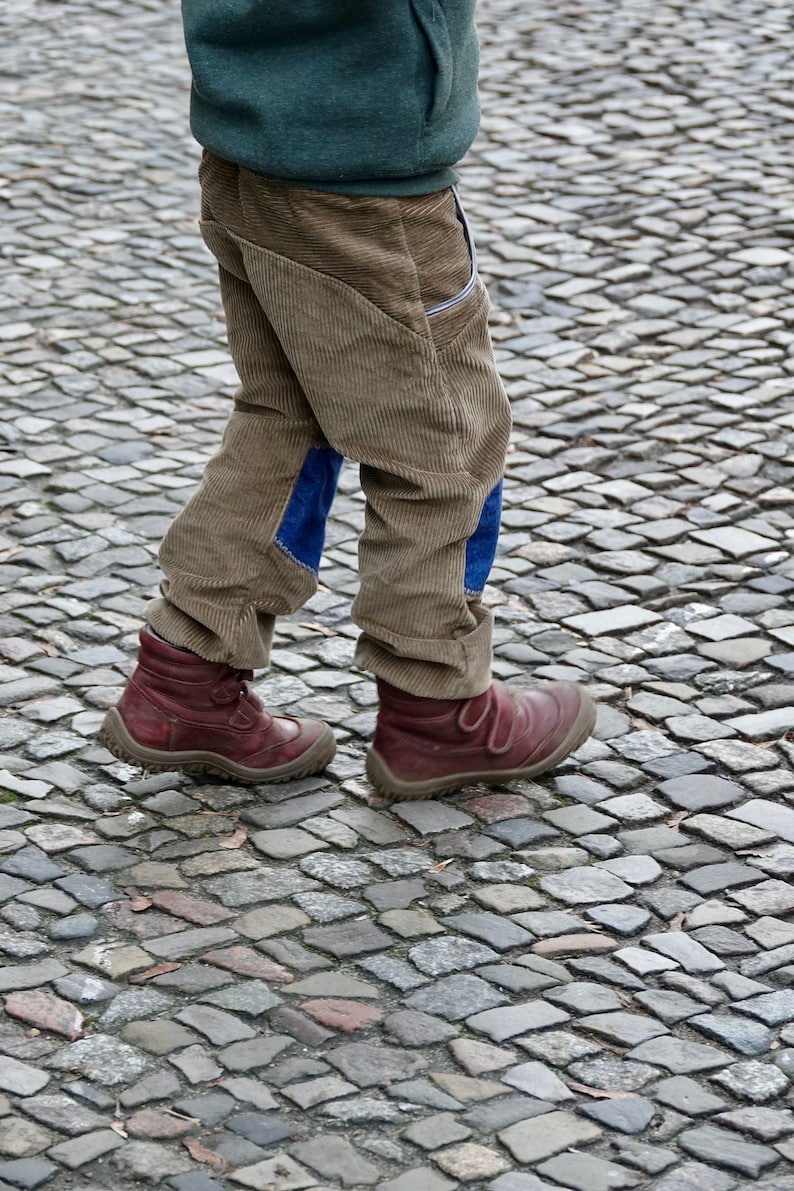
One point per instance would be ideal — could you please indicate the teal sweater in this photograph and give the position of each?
(357, 96)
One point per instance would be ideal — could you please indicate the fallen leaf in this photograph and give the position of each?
(235, 840)
(118, 1127)
(138, 901)
(601, 1093)
(752, 852)
(200, 1153)
(442, 864)
(675, 923)
(150, 973)
(677, 818)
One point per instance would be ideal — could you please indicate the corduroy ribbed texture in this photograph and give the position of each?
(325, 298)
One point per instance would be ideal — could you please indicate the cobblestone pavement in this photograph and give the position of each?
(582, 983)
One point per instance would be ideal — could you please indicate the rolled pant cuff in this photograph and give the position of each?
(458, 669)
(242, 637)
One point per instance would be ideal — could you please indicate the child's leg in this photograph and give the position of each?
(247, 545)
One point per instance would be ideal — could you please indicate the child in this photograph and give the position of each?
(358, 328)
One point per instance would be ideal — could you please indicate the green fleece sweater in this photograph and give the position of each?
(357, 96)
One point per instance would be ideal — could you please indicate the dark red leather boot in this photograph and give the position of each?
(179, 711)
(424, 747)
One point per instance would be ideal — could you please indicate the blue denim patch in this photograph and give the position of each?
(481, 546)
(301, 534)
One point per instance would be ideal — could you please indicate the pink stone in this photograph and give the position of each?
(343, 1015)
(247, 962)
(46, 1012)
(572, 944)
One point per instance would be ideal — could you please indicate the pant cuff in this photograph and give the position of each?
(458, 669)
(240, 637)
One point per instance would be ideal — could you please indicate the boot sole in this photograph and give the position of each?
(397, 790)
(114, 736)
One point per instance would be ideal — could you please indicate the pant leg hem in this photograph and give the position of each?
(457, 669)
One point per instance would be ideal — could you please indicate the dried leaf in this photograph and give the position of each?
(118, 1127)
(138, 901)
(752, 852)
(235, 840)
(442, 864)
(150, 973)
(675, 923)
(200, 1153)
(601, 1093)
(677, 818)
(12, 552)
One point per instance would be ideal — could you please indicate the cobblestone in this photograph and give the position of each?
(630, 192)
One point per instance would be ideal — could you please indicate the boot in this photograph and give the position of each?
(424, 747)
(180, 711)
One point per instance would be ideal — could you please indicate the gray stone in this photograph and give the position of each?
(767, 1124)
(101, 1058)
(531, 1141)
(419, 1178)
(623, 1029)
(31, 864)
(347, 938)
(754, 1081)
(149, 1161)
(367, 1066)
(670, 1007)
(678, 945)
(648, 1158)
(582, 886)
(726, 1149)
(490, 928)
(700, 793)
(536, 1079)
(680, 1056)
(63, 1113)
(450, 953)
(695, 1176)
(713, 878)
(456, 997)
(500, 1024)
(768, 816)
(586, 1172)
(585, 997)
(631, 1115)
(767, 897)
(622, 920)
(26, 1173)
(773, 1008)
(19, 1079)
(687, 1096)
(334, 1157)
(22, 976)
(748, 1038)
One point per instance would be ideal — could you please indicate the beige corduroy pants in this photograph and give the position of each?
(358, 328)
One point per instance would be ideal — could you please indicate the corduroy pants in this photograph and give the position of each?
(358, 328)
